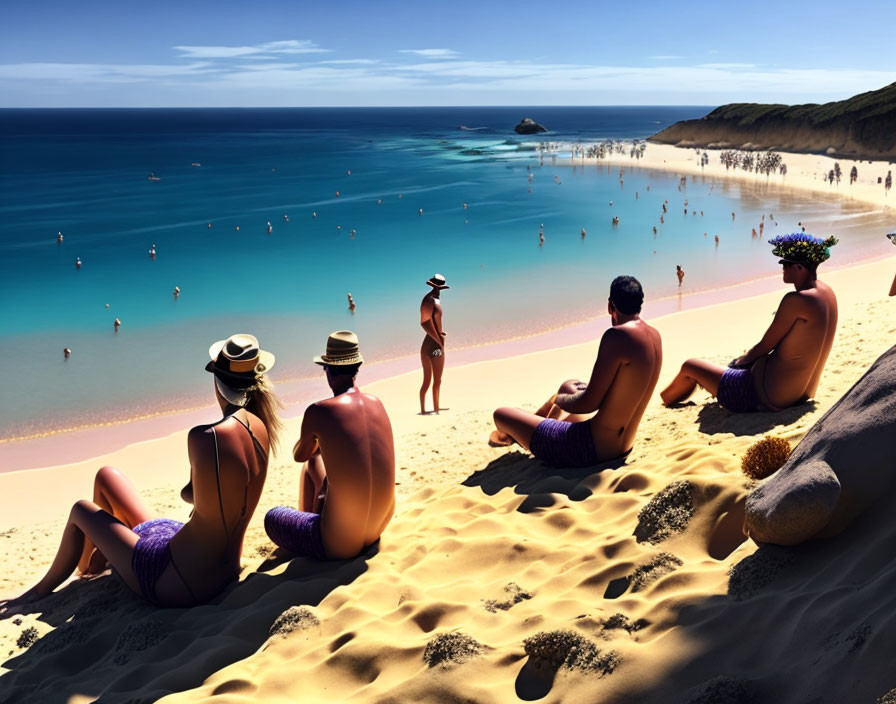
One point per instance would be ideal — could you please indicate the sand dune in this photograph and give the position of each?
(514, 581)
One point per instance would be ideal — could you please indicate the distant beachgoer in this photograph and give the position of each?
(685, 211)
(636, 195)
(379, 202)
(351, 302)
(337, 194)
(615, 219)
(465, 206)
(314, 213)
(237, 228)
(168, 563)
(352, 235)
(347, 484)
(664, 208)
(662, 219)
(107, 305)
(654, 230)
(680, 273)
(561, 433)
(209, 226)
(754, 232)
(432, 351)
(761, 228)
(420, 212)
(66, 353)
(116, 324)
(270, 227)
(701, 212)
(77, 262)
(785, 366)
(59, 238)
(732, 216)
(611, 204)
(648, 188)
(583, 233)
(348, 173)
(176, 292)
(540, 239)
(339, 227)
(717, 240)
(152, 252)
(399, 195)
(286, 218)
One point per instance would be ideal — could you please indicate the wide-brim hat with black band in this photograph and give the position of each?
(437, 281)
(237, 364)
(342, 349)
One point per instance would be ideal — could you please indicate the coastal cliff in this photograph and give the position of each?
(863, 126)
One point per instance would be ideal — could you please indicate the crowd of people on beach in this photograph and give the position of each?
(345, 445)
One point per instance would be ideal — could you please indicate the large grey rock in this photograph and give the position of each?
(529, 126)
(846, 461)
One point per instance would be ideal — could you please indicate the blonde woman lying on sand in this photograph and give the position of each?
(167, 562)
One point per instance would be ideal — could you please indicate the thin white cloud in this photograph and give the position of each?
(101, 73)
(347, 62)
(726, 66)
(288, 46)
(432, 53)
(665, 57)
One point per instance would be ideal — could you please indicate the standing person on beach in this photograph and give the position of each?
(562, 432)
(679, 272)
(432, 351)
(169, 563)
(784, 367)
(347, 485)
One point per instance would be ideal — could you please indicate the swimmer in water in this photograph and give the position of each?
(337, 194)
(66, 353)
(237, 228)
(270, 227)
(351, 303)
(732, 216)
(209, 226)
(616, 220)
(380, 201)
(420, 212)
(348, 173)
(152, 252)
(717, 240)
(116, 325)
(352, 235)
(399, 195)
(78, 262)
(176, 292)
(465, 206)
(286, 218)
(59, 238)
(583, 233)
(314, 214)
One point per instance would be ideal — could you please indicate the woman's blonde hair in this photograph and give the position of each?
(263, 402)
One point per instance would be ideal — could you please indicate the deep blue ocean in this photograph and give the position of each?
(84, 173)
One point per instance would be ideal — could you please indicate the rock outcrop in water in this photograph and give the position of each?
(843, 465)
(863, 126)
(529, 126)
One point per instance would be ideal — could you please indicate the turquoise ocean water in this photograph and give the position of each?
(84, 173)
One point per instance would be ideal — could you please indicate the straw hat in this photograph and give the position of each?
(342, 349)
(237, 364)
(437, 281)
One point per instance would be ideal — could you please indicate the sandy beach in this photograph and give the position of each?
(806, 172)
(494, 562)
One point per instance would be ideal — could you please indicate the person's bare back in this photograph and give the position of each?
(791, 371)
(347, 485)
(633, 365)
(562, 432)
(354, 436)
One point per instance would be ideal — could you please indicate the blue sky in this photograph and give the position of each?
(66, 53)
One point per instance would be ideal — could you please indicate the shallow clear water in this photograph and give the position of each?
(84, 173)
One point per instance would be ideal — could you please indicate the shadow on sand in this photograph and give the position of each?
(713, 419)
(526, 475)
(106, 634)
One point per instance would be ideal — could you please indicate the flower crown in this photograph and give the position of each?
(799, 247)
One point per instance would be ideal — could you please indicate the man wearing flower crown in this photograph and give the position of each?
(784, 367)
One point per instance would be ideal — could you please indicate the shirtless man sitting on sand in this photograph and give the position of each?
(347, 486)
(784, 367)
(561, 433)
